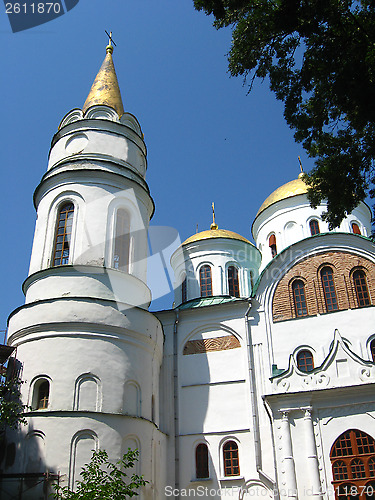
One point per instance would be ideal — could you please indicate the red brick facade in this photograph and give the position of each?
(343, 264)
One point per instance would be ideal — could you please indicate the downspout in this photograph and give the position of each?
(254, 402)
(175, 406)
(269, 413)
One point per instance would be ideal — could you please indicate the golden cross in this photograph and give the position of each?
(110, 38)
(213, 213)
(300, 164)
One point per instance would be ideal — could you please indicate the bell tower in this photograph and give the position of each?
(89, 349)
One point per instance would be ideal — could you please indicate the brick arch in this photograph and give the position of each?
(308, 269)
(298, 277)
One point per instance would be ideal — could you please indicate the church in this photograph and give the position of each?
(259, 382)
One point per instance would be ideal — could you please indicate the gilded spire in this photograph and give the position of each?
(213, 225)
(105, 89)
(300, 176)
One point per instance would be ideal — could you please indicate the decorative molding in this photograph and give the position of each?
(316, 379)
(340, 368)
(338, 411)
(367, 374)
(210, 345)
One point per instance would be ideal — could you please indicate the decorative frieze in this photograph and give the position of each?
(213, 344)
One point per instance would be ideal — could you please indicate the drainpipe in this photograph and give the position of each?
(269, 413)
(175, 406)
(254, 403)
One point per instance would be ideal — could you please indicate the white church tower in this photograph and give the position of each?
(90, 351)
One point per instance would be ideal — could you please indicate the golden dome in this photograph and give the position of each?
(215, 233)
(292, 188)
(105, 89)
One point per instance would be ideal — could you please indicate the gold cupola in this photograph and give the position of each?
(105, 89)
(288, 190)
(215, 232)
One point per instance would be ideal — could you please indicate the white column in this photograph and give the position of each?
(290, 488)
(223, 285)
(312, 464)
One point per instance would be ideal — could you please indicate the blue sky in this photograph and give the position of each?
(207, 139)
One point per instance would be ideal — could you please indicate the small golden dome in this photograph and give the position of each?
(292, 188)
(215, 233)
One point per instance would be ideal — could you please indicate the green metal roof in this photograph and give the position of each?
(207, 301)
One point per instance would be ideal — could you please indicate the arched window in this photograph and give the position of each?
(299, 297)
(41, 394)
(233, 286)
(272, 245)
(122, 241)
(305, 361)
(201, 461)
(355, 228)
(329, 289)
(205, 281)
(353, 464)
(314, 227)
(360, 286)
(64, 225)
(184, 290)
(231, 461)
(372, 349)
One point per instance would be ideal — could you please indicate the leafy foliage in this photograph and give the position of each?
(319, 56)
(103, 480)
(11, 407)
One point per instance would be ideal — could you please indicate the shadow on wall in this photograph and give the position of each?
(23, 471)
(211, 364)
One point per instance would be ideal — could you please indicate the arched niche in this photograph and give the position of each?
(87, 393)
(82, 446)
(133, 443)
(132, 399)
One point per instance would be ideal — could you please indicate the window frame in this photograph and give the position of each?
(202, 466)
(35, 393)
(230, 455)
(235, 280)
(183, 288)
(361, 288)
(355, 449)
(312, 222)
(354, 226)
(301, 297)
(272, 244)
(66, 236)
(308, 366)
(329, 289)
(205, 288)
